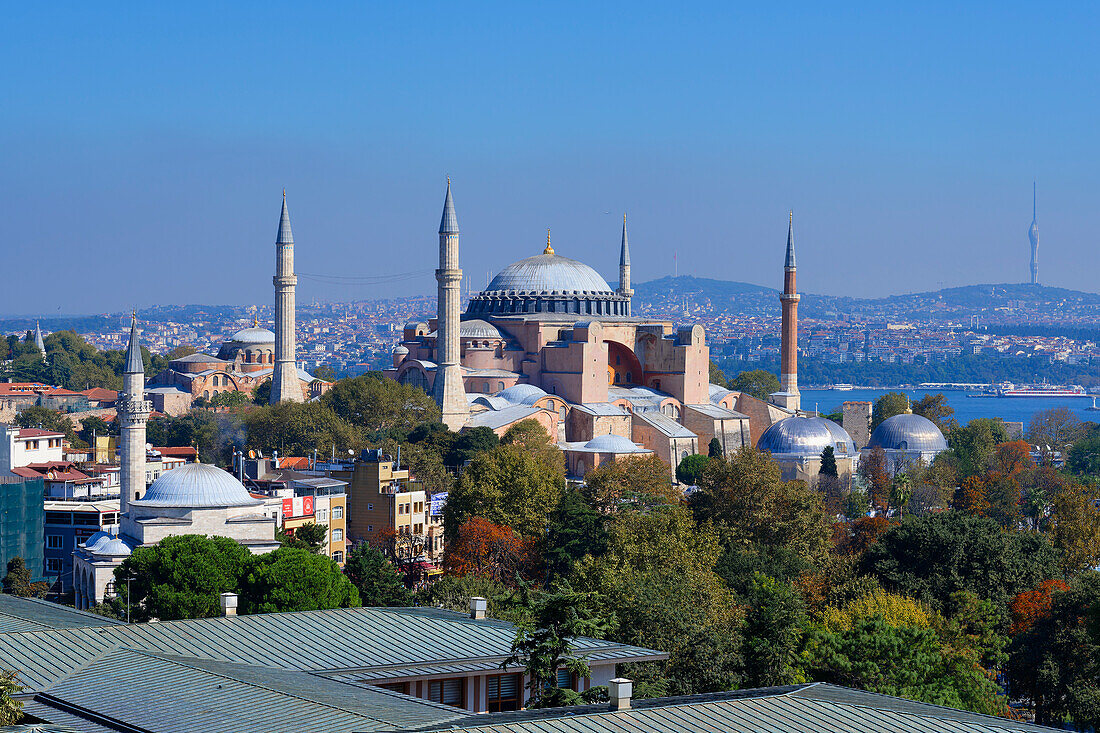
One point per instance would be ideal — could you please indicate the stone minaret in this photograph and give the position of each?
(788, 396)
(1033, 237)
(447, 389)
(133, 412)
(285, 385)
(624, 269)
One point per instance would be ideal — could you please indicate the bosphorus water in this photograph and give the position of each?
(1010, 409)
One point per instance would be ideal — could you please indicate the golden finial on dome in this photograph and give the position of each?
(549, 250)
(255, 322)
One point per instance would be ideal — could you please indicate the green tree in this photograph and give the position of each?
(454, 592)
(935, 408)
(17, 581)
(828, 462)
(11, 707)
(640, 481)
(714, 449)
(759, 383)
(518, 483)
(933, 556)
(751, 506)
(293, 579)
(299, 428)
(890, 404)
(1076, 530)
(544, 642)
(774, 627)
(261, 395)
(380, 407)
(93, 425)
(181, 577)
(469, 444)
(1083, 458)
(196, 428)
(230, 399)
(378, 582)
(325, 373)
(691, 469)
(309, 536)
(657, 579)
(717, 376)
(1054, 429)
(47, 419)
(901, 491)
(973, 445)
(181, 351)
(576, 529)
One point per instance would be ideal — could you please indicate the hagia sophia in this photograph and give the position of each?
(551, 339)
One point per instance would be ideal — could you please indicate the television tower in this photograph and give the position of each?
(1033, 235)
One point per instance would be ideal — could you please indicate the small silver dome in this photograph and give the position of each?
(549, 272)
(253, 335)
(908, 432)
(522, 394)
(613, 444)
(399, 349)
(805, 437)
(196, 485)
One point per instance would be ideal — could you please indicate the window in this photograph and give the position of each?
(564, 680)
(370, 507)
(502, 692)
(337, 535)
(419, 529)
(54, 542)
(449, 692)
(402, 687)
(338, 556)
(53, 565)
(338, 512)
(370, 527)
(322, 515)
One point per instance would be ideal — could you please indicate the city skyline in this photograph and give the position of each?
(705, 127)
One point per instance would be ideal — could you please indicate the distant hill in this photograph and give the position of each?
(703, 294)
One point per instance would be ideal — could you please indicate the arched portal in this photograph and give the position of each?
(623, 367)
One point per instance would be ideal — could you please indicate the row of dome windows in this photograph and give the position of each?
(610, 306)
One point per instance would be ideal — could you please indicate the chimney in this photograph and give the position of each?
(477, 607)
(619, 690)
(229, 604)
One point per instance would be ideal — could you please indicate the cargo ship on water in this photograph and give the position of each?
(1008, 389)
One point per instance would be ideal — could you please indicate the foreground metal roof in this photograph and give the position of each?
(815, 708)
(32, 614)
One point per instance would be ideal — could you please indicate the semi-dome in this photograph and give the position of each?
(908, 432)
(106, 543)
(196, 485)
(253, 335)
(804, 437)
(399, 349)
(613, 444)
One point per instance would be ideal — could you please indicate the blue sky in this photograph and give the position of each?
(145, 147)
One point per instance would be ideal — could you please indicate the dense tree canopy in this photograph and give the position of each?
(888, 405)
(380, 407)
(759, 383)
(376, 579)
(299, 428)
(292, 579)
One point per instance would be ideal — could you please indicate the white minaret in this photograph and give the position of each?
(624, 269)
(1033, 237)
(447, 389)
(133, 412)
(38, 339)
(285, 385)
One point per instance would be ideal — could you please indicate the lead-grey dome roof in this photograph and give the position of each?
(548, 273)
(613, 444)
(805, 437)
(253, 335)
(908, 433)
(196, 485)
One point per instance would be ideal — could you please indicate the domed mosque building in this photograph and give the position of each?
(195, 498)
(906, 439)
(551, 339)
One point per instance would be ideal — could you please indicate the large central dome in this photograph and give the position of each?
(547, 273)
(548, 283)
(196, 485)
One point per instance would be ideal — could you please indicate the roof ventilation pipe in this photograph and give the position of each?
(619, 691)
(477, 607)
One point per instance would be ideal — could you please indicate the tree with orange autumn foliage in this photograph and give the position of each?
(1012, 458)
(1033, 605)
(862, 533)
(970, 498)
(489, 550)
(874, 472)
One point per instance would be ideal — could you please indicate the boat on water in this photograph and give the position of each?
(842, 387)
(1041, 390)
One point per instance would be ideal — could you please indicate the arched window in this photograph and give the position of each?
(206, 394)
(500, 385)
(486, 388)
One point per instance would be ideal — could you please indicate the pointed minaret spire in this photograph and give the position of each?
(134, 363)
(38, 339)
(448, 224)
(285, 236)
(447, 388)
(625, 290)
(790, 243)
